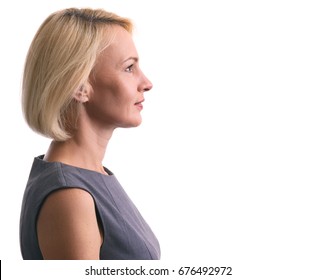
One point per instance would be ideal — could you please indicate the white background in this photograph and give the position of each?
(223, 166)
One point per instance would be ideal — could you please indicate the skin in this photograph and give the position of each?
(67, 225)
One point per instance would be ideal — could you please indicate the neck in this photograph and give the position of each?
(86, 149)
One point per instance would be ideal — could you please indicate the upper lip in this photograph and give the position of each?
(140, 101)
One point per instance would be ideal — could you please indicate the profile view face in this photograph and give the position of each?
(117, 84)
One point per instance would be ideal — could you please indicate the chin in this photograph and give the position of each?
(134, 123)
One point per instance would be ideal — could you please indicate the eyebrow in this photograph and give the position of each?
(135, 58)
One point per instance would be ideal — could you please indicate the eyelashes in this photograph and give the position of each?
(129, 69)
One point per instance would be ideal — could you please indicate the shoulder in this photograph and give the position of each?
(67, 226)
(69, 198)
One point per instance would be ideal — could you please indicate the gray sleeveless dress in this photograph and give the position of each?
(126, 234)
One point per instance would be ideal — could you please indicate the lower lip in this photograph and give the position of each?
(139, 106)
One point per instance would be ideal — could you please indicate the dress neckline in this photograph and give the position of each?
(109, 172)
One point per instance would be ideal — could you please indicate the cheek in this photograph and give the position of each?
(104, 93)
(120, 95)
(114, 103)
(111, 90)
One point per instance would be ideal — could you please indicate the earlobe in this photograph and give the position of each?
(83, 93)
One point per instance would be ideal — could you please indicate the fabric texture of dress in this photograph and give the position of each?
(126, 234)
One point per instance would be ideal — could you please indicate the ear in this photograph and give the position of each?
(82, 95)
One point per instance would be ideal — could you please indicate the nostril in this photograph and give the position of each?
(148, 87)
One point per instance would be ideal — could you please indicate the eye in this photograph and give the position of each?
(129, 69)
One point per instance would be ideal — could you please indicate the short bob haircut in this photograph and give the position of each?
(60, 59)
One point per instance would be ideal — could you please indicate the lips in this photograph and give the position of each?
(139, 104)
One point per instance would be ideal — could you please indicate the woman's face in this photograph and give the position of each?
(118, 84)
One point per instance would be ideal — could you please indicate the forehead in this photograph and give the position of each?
(121, 47)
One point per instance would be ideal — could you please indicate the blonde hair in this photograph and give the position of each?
(59, 61)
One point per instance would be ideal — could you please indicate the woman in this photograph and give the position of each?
(81, 81)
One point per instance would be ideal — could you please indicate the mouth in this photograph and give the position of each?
(139, 104)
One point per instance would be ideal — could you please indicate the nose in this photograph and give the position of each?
(149, 86)
(146, 84)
